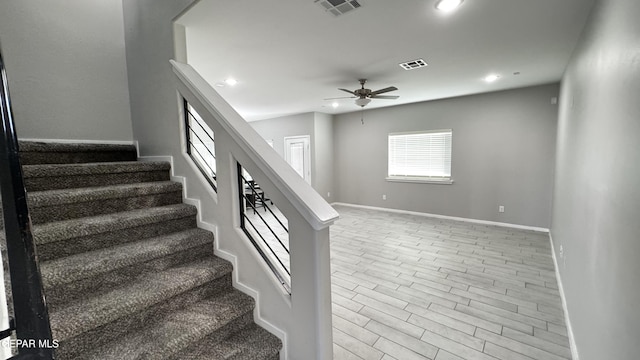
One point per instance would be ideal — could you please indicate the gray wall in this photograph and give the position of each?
(154, 101)
(596, 209)
(320, 129)
(323, 131)
(66, 67)
(278, 128)
(503, 151)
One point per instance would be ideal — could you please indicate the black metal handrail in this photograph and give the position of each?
(199, 160)
(266, 242)
(32, 329)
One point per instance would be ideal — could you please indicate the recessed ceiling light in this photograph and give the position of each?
(335, 104)
(448, 5)
(491, 78)
(231, 81)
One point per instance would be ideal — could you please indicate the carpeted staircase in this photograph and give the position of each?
(127, 273)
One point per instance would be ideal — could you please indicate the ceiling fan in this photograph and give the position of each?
(363, 96)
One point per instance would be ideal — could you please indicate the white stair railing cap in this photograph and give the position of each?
(318, 213)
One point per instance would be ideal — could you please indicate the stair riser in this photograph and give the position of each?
(78, 181)
(104, 282)
(38, 157)
(57, 212)
(83, 343)
(78, 245)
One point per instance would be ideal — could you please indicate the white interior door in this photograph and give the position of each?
(297, 152)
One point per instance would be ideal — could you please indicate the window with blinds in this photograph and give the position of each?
(420, 156)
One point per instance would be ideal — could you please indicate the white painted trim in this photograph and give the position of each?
(572, 340)
(307, 318)
(78, 141)
(420, 181)
(476, 221)
(237, 284)
(137, 145)
(257, 316)
(306, 161)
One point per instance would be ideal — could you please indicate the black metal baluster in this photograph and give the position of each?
(248, 201)
(188, 117)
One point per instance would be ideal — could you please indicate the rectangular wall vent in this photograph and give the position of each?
(413, 64)
(338, 7)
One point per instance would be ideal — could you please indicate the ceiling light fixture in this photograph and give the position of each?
(231, 81)
(335, 104)
(362, 101)
(491, 78)
(448, 5)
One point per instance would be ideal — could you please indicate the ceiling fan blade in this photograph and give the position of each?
(349, 91)
(391, 97)
(381, 91)
(342, 97)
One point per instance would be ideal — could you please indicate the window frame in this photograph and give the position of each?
(447, 180)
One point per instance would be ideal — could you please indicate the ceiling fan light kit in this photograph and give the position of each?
(362, 101)
(364, 96)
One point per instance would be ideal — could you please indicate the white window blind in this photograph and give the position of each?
(422, 155)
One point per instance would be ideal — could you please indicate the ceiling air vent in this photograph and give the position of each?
(413, 64)
(338, 7)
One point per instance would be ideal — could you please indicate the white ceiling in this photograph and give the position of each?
(289, 55)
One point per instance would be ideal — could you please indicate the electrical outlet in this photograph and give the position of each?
(561, 251)
(501, 208)
(328, 194)
(384, 197)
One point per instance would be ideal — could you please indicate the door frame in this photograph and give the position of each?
(306, 139)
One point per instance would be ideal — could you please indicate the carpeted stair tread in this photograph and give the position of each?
(66, 176)
(38, 146)
(51, 170)
(250, 343)
(55, 153)
(57, 205)
(70, 196)
(177, 331)
(87, 226)
(89, 313)
(89, 264)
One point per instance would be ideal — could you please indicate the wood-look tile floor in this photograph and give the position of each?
(408, 287)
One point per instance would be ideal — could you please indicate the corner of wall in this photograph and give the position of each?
(572, 341)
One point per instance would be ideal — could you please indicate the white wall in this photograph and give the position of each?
(66, 66)
(597, 184)
(503, 154)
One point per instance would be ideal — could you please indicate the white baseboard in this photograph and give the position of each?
(257, 316)
(476, 221)
(239, 285)
(79, 141)
(572, 340)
